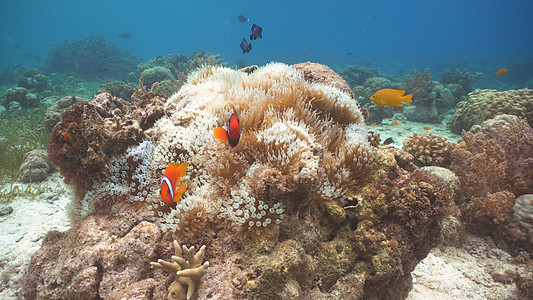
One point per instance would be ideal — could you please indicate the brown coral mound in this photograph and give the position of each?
(482, 105)
(430, 149)
(91, 132)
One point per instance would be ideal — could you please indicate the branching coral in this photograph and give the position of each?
(188, 269)
(430, 149)
(496, 165)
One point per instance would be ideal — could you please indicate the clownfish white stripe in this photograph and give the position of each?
(169, 184)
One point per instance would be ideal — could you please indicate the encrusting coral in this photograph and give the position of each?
(188, 269)
(429, 148)
(482, 105)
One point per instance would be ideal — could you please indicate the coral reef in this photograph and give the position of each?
(424, 98)
(188, 268)
(495, 166)
(482, 105)
(357, 75)
(429, 149)
(92, 56)
(302, 207)
(35, 166)
(119, 89)
(156, 74)
(54, 112)
(34, 81)
(460, 82)
(21, 96)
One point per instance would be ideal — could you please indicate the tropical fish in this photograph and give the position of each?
(245, 46)
(394, 123)
(173, 174)
(133, 60)
(427, 60)
(233, 134)
(198, 54)
(388, 141)
(373, 124)
(243, 18)
(125, 35)
(502, 71)
(66, 138)
(391, 97)
(426, 128)
(290, 58)
(256, 32)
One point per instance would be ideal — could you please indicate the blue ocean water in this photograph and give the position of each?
(390, 34)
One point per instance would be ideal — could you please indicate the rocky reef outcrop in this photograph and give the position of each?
(302, 207)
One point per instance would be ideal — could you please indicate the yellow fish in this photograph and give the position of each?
(426, 128)
(394, 123)
(198, 54)
(391, 97)
(373, 124)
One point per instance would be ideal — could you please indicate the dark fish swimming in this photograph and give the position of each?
(243, 18)
(388, 141)
(125, 35)
(245, 46)
(256, 32)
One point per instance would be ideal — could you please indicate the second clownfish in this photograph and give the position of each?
(173, 173)
(233, 134)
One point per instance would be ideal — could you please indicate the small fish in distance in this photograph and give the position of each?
(125, 35)
(243, 19)
(245, 46)
(256, 32)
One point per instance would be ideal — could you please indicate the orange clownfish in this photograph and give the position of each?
(233, 134)
(502, 71)
(391, 97)
(173, 173)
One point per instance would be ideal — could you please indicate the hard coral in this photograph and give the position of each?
(188, 269)
(430, 149)
(482, 105)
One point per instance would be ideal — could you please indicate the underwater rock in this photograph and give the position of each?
(320, 73)
(523, 212)
(5, 210)
(156, 74)
(35, 166)
(54, 112)
(14, 106)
